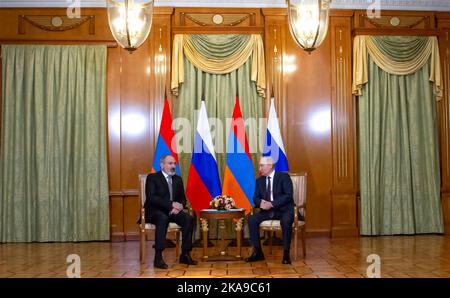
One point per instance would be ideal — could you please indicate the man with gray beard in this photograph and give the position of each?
(165, 201)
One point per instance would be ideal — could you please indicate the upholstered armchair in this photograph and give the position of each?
(299, 182)
(144, 227)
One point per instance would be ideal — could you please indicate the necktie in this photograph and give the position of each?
(268, 196)
(169, 183)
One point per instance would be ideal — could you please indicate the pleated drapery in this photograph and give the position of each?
(398, 84)
(217, 68)
(219, 54)
(53, 162)
(398, 55)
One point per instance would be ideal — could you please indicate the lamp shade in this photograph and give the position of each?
(308, 22)
(130, 21)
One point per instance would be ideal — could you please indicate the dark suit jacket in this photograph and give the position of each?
(282, 191)
(158, 196)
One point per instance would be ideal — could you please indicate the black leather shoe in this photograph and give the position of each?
(159, 263)
(187, 259)
(256, 256)
(286, 259)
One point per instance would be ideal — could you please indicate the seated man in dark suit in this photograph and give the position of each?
(274, 195)
(165, 203)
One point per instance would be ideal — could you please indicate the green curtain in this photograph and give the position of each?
(53, 165)
(400, 48)
(219, 46)
(398, 150)
(219, 92)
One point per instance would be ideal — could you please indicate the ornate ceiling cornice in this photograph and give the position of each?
(429, 5)
(174, 3)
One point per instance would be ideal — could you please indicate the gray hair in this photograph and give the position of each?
(267, 160)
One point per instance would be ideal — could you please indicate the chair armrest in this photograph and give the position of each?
(190, 211)
(297, 212)
(254, 210)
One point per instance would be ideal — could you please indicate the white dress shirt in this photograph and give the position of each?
(167, 180)
(271, 184)
(165, 175)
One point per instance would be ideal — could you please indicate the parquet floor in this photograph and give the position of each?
(401, 256)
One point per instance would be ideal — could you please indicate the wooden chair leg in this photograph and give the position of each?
(270, 242)
(304, 241)
(295, 244)
(142, 246)
(177, 243)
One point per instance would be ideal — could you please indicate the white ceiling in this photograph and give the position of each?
(429, 5)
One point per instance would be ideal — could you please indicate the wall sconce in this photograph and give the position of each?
(308, 22)
(130, 21)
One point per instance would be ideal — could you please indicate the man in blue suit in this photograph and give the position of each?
(274, 195)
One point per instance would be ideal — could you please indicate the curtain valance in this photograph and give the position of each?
(398, 55)
(219, 54)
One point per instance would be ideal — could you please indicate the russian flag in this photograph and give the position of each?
(203, 179)
(239, 177)
(165, 145)
(274, 144)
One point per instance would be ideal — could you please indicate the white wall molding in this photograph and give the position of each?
(177, 3)
(420, 5)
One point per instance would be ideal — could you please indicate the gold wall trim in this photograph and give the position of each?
(229, 19)
(405, 22)
(44, 22)
(446, 102)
